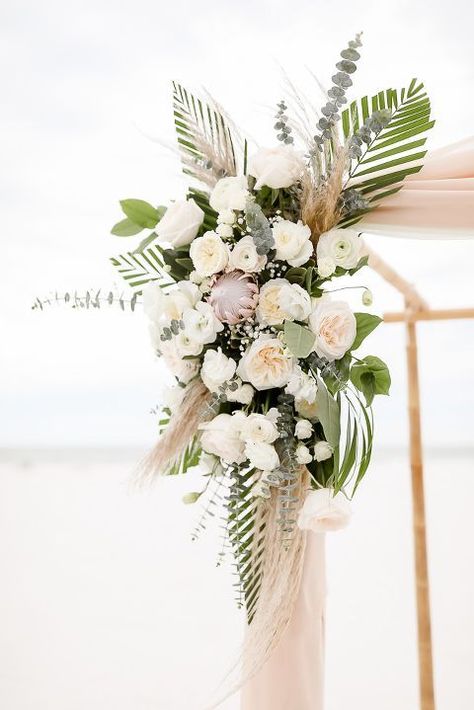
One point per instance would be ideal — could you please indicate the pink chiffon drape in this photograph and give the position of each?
(436, 203)
(293, 678)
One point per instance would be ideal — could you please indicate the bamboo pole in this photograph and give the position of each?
(429, 315)
(409, 292)
(427, 700)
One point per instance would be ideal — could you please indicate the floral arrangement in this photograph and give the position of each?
(239, 285)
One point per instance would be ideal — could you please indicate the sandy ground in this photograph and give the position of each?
(105, 603)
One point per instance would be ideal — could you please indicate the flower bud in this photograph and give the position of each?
(367, 298)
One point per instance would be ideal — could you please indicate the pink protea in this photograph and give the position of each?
(234, 296)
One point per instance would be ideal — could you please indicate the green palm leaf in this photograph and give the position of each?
(394, 152)
(205, 140)
(139, 269)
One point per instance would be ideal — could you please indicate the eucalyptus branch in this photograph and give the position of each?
(88, 300)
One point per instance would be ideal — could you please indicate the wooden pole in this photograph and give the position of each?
(425, 658)
(432, 314)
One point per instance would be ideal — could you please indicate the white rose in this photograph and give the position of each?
(269, 309)
(266, 363)
(243, 394)
(276, 167)
(244, 256)
(303, 429)
(342, 246)
(184, 370)
(326, 267)
(216, 369)
(323, 511)
(221, 436)
(307, 409)
(201, 324)
(303, 454)
(301, 385)
(261, 455)
(292, 242)
(334, 326)
(258, 428)
(322, 451)
(209, 254)
(153, 301)
(180, 223)
(230, 193)
(295, 302)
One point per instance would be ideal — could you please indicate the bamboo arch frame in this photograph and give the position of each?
(416, 309)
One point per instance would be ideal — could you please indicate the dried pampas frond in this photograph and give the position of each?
(204, 138)
(194, 409)
(320, 202)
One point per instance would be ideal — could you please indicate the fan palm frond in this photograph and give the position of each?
(205, 140)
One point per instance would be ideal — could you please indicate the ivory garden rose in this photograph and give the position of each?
(266, 364)
(276, 167)
(334, 326)
(180, 223)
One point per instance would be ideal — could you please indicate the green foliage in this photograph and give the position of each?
(352, 458)
(371, 376)
(366, 323)
(140, 269)
(328, 414)
(201, 198)
(126, 228)
(88, 300)
(141, 213)
(300, 340)
(392, 154)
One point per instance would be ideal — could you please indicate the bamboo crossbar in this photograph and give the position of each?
(429, 314)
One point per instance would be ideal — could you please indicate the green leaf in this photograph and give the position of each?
(300, 340)
(366, 323)
(328, 414)
(140, 212)
(125, 228)
(371, 376)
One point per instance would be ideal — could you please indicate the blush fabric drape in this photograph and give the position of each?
(436, 203)
(293, 677)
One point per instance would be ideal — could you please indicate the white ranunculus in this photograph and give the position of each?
(201, 324)
(301, 385)
(221, 437)
(216, 369)
(262, 455)
(230, 193)
(225, 231)
(209, 254)
(303, 454)
(180, 223)
(334, 326)
(185, 295)
(258, 428)
(244, 256)
(184, 370)
(306, 409)
(295, 302)
(243, 394)
(323, 451)
(292, 242)
(326, 267)
(343, 246)
(276, 167)
(153, 301)
(187, 346)
(303, 429)
(266, 363)
(323, 511)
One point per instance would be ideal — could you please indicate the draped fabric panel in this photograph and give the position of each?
(293, 677)
(436, 203)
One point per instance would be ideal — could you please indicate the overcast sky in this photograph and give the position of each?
(87, 89)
